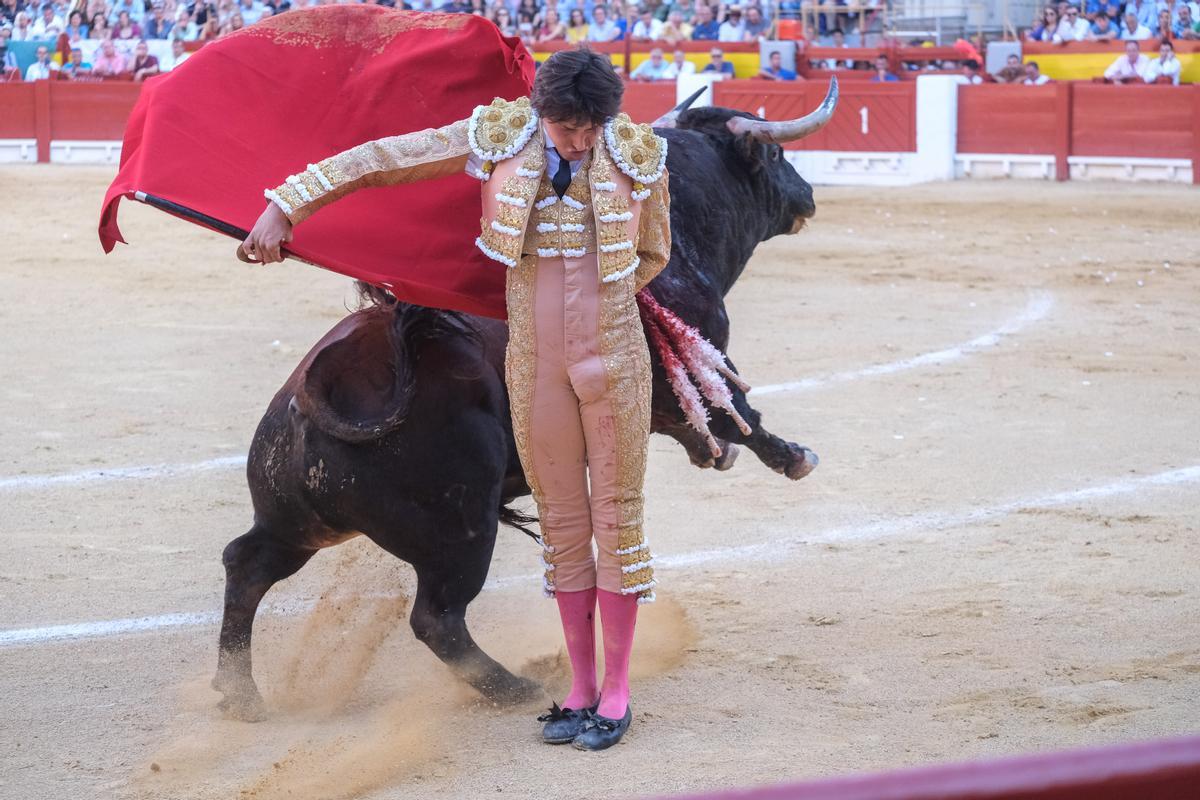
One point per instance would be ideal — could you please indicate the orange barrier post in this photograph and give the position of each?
(41, 119)
(1196, 134)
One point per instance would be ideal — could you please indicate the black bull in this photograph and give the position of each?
(396, 424)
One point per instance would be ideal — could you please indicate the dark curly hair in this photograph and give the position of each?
(578, 86)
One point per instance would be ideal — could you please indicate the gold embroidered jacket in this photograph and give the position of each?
(629, 222)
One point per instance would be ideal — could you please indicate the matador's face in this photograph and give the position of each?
(572, 139)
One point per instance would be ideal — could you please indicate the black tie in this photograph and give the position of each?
(562, 178)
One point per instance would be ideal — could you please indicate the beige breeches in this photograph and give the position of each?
(586, 485)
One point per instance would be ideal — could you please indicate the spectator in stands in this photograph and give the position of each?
(1073, 27)
(718, 64)
(126, 28)
(706, 28)
(577, 27)
(76, 30)
(22, 29)
(49, 25)
(502, 19)
(1103, 30)
(675, 30)
(211, 29)
(602, 28)
(136, 9)
(75, 66)
(970, 72)
(1145, 12)
(1044, 29)
(8, 12)
(553, 29)
(9, 68)
(1186, 27)
(158, 26)
(109, 62)
(1132, 66)
(1033, 75)
(654, 68)
(1165, 66)
(1134, 31)
(732, 29)
(757, 28)
(681, 65)
(647, 28)
(43, 68)
(1012, 72)
(839, 41)
(144, 64)
(882, 73)
(251, 11)
(99, 28)
(531, 7)
(1164, 23)
(774, 70)
(685, 8)
(185, 28)
(178, 56)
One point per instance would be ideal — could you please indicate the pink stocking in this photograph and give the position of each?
(618, 613)
(578, 613)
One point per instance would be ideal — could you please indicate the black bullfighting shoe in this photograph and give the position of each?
(602, 733)
(563, 724)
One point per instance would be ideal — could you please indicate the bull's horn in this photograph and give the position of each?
(791, 130)
(667, 120)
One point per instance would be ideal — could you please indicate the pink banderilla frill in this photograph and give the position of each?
(684, 350)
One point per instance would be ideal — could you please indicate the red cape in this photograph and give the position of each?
(250, 109)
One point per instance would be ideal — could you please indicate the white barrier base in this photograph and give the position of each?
(85, 152)
(829, 168)
(18, 151)
(989, 166)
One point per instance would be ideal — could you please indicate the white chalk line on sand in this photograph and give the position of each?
(773, 550)
(1038, 306)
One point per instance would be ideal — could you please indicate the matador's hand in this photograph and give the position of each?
(272, 229)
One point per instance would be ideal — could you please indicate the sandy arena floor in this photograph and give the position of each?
(997, 555)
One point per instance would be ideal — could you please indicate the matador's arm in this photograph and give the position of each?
(411, 157)
(654, 233)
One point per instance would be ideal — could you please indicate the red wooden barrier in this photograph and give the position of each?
(90, 110)
(1163, 770)
(873, 117)
(1146, 121)
(19, 120)
(646, 102)
(1006, 118)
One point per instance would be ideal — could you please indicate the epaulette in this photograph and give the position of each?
(638, 152)
(499, 131)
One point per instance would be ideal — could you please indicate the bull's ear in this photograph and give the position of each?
(750, 150)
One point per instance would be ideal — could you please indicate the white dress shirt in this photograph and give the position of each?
(1122, 69)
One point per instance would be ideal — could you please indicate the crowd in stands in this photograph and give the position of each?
(120, 30)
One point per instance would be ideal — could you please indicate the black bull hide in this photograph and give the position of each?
(396, 424)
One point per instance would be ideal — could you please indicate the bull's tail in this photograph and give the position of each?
(519, 520)
(690, 360)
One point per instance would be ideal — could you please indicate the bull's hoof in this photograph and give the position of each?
(802, 462)
(242, 700)
(729, 455)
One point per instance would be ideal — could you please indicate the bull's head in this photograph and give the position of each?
(756, 145)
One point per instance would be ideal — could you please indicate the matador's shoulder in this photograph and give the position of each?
(637, 150)
(499, 130)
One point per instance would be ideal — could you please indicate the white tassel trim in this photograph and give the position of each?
(646, 599)
(519, 142)
(519, 202)
(499, 228)
(528, 173)
(610, 138)
(548, 252)
(546, 565)
(284, 206)
(480, 174)
(635, 567)
(549, 594)
(650, 584)
(642, 195)
(299, 186)
(615, 246)
(546, 227)
(547, 584)
(320, 176)
(574, 252)
(626, 551)
(616, 276)
(549, 548)
(572, 227)
(492, 254)
(624, 217)
(605, 186)
(545, 202)
(571, 202)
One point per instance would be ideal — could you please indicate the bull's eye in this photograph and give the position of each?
(776, 153)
